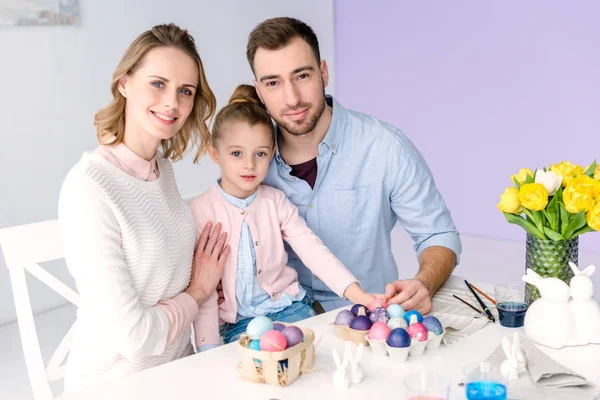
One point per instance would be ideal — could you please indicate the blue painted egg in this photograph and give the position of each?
(359, 309)
(398, 338)
(395, 310)
(258, 326)
(408, 314)
(432, 324)
(361, 323)
(254, 345)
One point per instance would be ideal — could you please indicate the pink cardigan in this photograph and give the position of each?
(272, 218)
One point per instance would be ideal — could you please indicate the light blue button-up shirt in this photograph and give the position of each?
(370, 176)
(252, 300)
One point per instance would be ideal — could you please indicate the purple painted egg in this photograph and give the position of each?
(408, 314)
(293, 334)
(398, 338)
(417, 331)
(359, 309)
(432, 324)
(361, 323)
(344, 317)
(278, 327)
(379, 315)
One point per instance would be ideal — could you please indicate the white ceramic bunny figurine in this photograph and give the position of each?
(357, 373)
(549, 320)
(515, 363)
(341, 376)
(584, 308)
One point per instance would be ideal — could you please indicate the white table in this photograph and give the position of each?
(213, 374)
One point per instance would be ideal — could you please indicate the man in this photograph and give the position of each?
(350, 175)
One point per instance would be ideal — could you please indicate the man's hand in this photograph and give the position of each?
(411, 294)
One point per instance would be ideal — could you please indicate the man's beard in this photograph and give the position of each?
(302, 129)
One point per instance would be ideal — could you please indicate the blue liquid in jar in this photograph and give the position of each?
(512, 313)
(480, 390)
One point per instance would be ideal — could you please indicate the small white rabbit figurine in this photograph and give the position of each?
(357, 373)
(584, 308)
(341, 376)
(548, 320)
(515, 363)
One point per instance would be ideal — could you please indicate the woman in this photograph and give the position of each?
(129, 237)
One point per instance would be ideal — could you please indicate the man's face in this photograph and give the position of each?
(292, 84)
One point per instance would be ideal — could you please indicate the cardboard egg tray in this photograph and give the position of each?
(381, 348)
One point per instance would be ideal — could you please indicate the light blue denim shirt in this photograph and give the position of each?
(252, 300)
(370, 175)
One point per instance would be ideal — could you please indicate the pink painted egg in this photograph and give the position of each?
(379, 330)
(417, 331)
(273, 341)
(377, 303)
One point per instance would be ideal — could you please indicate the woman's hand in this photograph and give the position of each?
(209, 261)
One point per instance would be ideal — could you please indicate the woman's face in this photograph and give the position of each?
(159, 94)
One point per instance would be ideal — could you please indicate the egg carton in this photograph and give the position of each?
(400, 354)
(381, 348)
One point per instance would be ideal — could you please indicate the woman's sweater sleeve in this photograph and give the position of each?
(95, 258)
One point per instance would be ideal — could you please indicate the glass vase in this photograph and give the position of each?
(549, 259)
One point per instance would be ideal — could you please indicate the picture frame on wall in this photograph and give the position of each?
(39, 12)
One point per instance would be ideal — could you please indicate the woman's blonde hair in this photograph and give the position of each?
(110, 120)
(244, 106)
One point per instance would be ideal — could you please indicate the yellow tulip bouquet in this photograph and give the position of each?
(556, 203)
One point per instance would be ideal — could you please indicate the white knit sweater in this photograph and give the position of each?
(129, 244)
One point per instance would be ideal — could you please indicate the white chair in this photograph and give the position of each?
(24, 247)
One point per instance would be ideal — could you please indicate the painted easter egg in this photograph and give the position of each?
(278, 327)
(398, 338)
(432, 324)
(254, 345)
(273, 341)
(293, 334)
(344, 317)
(397, 322)
(377, 303)
(395, 310)
(359, 309)
(379, 331)
(408, 314)
(379, 315)
(361, 323)
(258, 326)
(417, 331)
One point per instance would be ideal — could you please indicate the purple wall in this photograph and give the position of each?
(481, 88)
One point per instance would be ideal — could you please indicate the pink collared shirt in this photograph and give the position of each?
(181, 309)
(125, 159)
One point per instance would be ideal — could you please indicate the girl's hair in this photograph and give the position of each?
(110, 120)
(244, 106)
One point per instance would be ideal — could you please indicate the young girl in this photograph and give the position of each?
(256, 280)
(128, 235)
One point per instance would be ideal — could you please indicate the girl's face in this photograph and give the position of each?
(243, 152)
(160, 95)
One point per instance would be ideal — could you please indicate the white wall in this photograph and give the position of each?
(54, 79)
